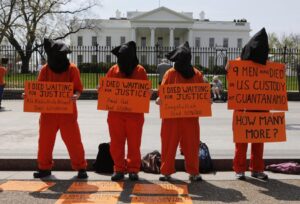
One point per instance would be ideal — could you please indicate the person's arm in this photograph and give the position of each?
(78, 87)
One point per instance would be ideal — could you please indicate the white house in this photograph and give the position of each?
(163, 27)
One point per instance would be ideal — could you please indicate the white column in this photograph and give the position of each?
(190, 38)
(171, 43)
(152, 41)
(133, 34)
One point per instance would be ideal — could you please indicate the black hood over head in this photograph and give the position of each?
(127, 59)
(257, 49)
(57, 55)
(182, 57)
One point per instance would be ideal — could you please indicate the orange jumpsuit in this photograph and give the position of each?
(67, 124)
(183, 130)
(126, 126)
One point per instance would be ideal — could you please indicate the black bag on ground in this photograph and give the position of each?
(151, 162)
(206, 164)
(104, 162)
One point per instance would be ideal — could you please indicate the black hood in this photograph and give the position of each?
(57, 55)
(257, 49)
(127, 59)
(182, 57)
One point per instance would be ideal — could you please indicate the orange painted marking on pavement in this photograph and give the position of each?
(97, 186)
(26, 186)
(88, 198)
(163, 188)
(161, 200)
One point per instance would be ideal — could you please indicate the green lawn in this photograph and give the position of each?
(90, 80)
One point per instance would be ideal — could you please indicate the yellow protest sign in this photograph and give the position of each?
(185, 100)
(48, 97)
(87, 198)
(160, 188)
(124, 95)
(26, 186)
(161, 200)
(96, 186)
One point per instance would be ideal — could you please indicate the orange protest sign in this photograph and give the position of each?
(258, 127)
(161, 200)
(88, 198)
(254, 86)
(160, 188)
(124, 95)
(185, 100)
(98, 186)
(26, 186)
(48, 97)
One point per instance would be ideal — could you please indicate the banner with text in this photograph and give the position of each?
(254, 86)
(124, 95)
(48, 97)
(185, 100)
(258, 127)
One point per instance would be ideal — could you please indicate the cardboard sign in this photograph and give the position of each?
(88, 198)
(258, 127)
(160, 188)
(161, 200)
(26, 186)
(48, 97)
(254, 86)
(124, 95)
(185, 100)
(98, 186)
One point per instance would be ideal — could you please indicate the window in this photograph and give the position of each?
(108, 41)
(122, 40)
(211, 42)
(225, 42)
(197, 42)
(160, 41)
(239, 42)
(176, 42)
(108, 58)
(144, 59)
(79, 59)
(79, 41)
(94, 58)
(94, 41)
(143, 41)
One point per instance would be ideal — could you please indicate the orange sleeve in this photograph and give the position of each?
(76, 79)
(110, 72)
(143, 74)
(165, 78)
(42, 74)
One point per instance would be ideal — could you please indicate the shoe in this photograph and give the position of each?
(260, 175)
(117, 176)
(133, 176)
(195, 177)
(165, 178)
(82, 174)
(240, 176)
(41, 173)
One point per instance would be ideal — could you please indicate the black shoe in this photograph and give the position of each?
(117, 176)
(133, 176)
(260, 175)
(240, 176)
(82, 174)
(41, 173)
(195, 177)
(165, 178)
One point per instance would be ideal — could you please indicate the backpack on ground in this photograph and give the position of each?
(104, 162)
(285, 168)
(151, 162)
(206, 164)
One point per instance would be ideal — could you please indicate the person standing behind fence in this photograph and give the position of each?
(3, 71)
(162, 68)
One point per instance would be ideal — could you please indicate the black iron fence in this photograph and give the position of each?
(94, 61)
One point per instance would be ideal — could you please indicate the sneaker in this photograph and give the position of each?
(133, 176)
(165, 178)
(82, 174)
(260, 175)
(41, 173)
(195, 177)
(240, 176)
(117, 176)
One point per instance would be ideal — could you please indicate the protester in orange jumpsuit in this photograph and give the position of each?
(257, 50)
(185, 131)
(126, 126)
(3, 71)
(59, 69)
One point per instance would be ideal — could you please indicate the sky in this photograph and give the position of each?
(279, 16)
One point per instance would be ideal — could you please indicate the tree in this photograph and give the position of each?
(40, 18)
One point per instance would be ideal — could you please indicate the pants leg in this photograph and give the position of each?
(47, 136)
(117, 132)
(134, 129)
(169, 140)
(240, 157)
(70, 134)
(1, 93)
(190, 140)
(256, 160)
